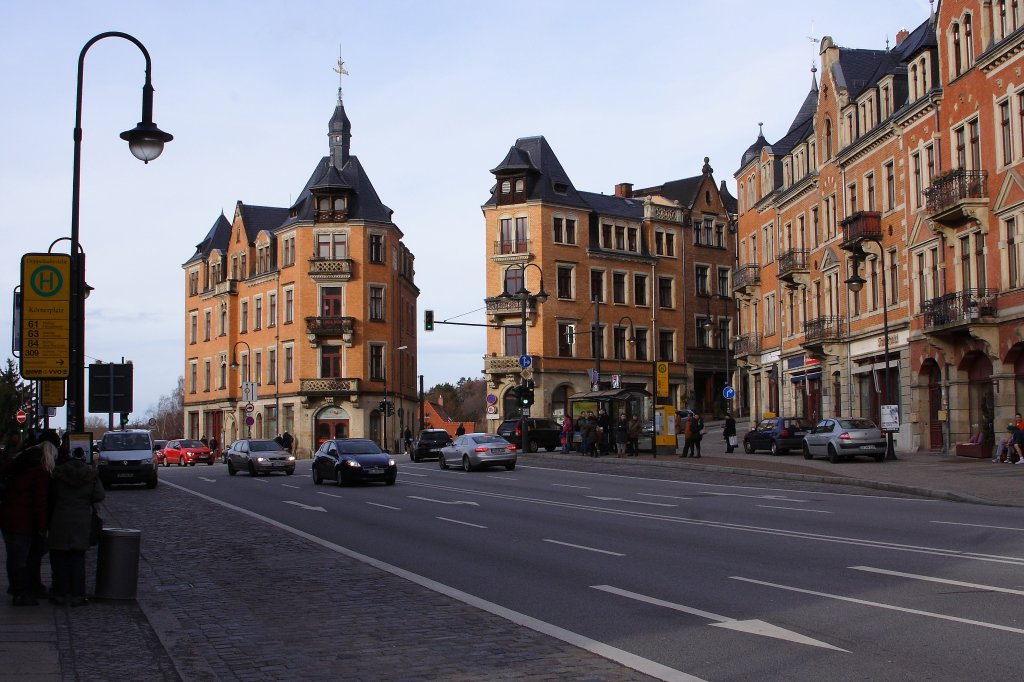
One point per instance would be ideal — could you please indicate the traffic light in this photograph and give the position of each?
(516, 392)
(389, 408)
(526, 395)
(124, 419)
(382, 406)
(428, 320)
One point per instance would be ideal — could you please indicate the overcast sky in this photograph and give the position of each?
(633, 92)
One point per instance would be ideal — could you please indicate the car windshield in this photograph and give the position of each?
(438, 437)
(126, 441)
(263, 446)
(487, 438)
(856, 423)
(358, 447)
(192, 444)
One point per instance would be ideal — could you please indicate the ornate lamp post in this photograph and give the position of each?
(146, 142)
(248, 364)
(525, 296)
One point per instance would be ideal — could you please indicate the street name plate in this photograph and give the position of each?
(45, 315)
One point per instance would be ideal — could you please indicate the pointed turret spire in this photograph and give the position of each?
(339, 130)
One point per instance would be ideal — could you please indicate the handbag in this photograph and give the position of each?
(732, 441)
(95, 528)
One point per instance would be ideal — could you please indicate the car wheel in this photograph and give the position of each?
(532, 446)
(466, 465)
(339, 478)
(748, 447)
(252, 469)
(231, 469)
(181, 460)
(807, 452)
(510, 466)
(317, 478)
(441, 462)
(289, 472)
(833, 456)
(413, 457)
(775, 449)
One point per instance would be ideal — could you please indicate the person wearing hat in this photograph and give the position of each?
(76, 487)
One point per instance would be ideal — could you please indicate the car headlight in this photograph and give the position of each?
(354, 464)
(259, 459)
(391, 463)
(291, 458)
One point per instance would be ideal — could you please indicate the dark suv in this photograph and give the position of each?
(778, 435)
(541, 433)
(428, 444)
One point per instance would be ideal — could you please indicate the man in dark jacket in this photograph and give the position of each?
(26, 481)
(76, 488)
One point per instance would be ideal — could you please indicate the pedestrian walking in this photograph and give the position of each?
(26, 483)
(76, 488)
(621, 435)
(588, 435)
(634, 430)
(286, 441)
(214, 447)
(566, 434)
(729, 432)
(461, 431)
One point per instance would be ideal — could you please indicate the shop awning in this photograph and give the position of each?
(611, 394)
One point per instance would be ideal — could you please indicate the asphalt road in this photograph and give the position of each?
(713, 576)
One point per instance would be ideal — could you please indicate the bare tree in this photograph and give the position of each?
(168, 417)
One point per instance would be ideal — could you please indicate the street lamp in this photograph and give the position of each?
(146, 142)
(631, 339)
(525, 295)
(248, 364)
(855, 283)
(399, 394)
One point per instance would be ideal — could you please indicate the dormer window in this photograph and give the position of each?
(512, 191)
(561, 188)
(331, 208)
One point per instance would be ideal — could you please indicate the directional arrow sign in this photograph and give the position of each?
(753, 627)
(305, 506)
(427, 499)
(619, 499)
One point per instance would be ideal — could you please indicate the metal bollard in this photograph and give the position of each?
(117, 566)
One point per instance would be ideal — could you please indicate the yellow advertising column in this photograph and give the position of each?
(664, 430)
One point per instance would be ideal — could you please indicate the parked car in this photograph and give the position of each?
(478, 451)
(126, 457)
(353, 460)
(778, 435)
(259, 456)
(845, 437)
(158, 451)
(185, 451)
(541, 433)
(428, 444)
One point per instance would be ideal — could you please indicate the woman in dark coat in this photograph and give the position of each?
(76, 487)
(729, 431)
(23, 520)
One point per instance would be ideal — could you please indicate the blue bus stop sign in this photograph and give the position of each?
(728, 392)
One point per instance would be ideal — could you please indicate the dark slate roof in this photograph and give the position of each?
(683, 191)
(728, 200)
(920, 38)
(807, 109)
(535, 156)
(259, 218)
(611, 205)
(754, 150)
(216, 238)
(364, 203)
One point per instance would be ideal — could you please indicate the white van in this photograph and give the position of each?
(127, 457)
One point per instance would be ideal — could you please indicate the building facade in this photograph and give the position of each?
(599, 290)
(879, 243)
(314, 304)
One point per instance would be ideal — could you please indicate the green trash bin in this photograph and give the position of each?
(117, 566)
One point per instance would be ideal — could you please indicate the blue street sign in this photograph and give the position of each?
(728, 392)
(525, 361)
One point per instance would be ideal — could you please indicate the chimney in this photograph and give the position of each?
(624, 190)
(901, 35)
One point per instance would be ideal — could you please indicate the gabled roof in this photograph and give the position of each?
(534, 156)
(259, 218)
(216, 238)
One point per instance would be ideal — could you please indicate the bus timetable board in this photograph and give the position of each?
(45, 315)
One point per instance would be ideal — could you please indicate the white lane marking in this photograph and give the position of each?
(766, 530)
(566, 485)
(589, 549)
(304, 506)
(430, 499)
(330, 495)
(753, 627)
(461, 523)
(409, 473)
(210, 480)
(669, 497)
(260, 480)
(620, 656)
(944, 581)
(814, 511)
(621, 499)
(977, 525)
(780, 498)
(288, 485)
(386, 506)
(890, 607)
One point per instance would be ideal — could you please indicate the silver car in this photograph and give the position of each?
(258, 456)
(478, 451)
(845, 437)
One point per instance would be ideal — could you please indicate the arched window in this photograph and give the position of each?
(913, 82)
(828, 138)
(958, 63)
(968, 41)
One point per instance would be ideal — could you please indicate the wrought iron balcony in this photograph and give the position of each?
(746, 278)
(502, 364)
(828, 329)
(330, 269)
(861, 226)
(952, 198)
(502, 306)
(512, 247)
(792, 265)
(959, 308)
(329, 387)
(748, 344)
(330, 326)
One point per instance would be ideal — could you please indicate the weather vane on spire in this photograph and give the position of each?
(341, 71)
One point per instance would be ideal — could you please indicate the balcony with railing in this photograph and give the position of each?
(793, 266)
(861, 226)
(746, 279)
(511, 250)
(748, 344)
(504, 306)
(329, 386)
(955, 311)
(330, 326)
(330, 269)
(228, 287)
(953, 198)
(823, 330)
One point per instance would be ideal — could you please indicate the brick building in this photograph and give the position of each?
(630, 279)
(900, 176)
(314, 303)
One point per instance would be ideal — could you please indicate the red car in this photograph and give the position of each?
(186, 452)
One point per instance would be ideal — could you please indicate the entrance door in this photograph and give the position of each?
(935, 440)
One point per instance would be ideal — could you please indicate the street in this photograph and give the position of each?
(676, 577)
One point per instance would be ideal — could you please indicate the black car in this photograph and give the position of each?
(428, 444)
(778, 435)
(541, 433)
(353, 460)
